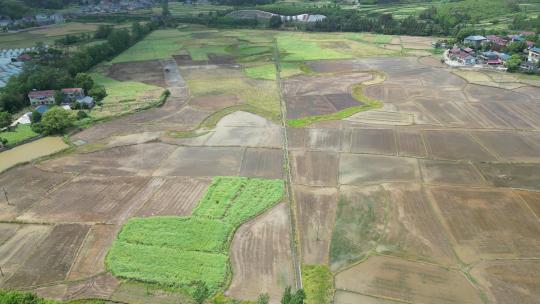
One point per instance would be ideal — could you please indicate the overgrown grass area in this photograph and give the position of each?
(266, 71)
(318, 283)
(19, 297)
(301, 47)
(160, 44)
(177, 251)
(18, 134)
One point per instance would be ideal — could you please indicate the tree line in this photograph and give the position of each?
(54, 68)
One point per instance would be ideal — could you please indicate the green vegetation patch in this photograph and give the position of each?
(202, 52)
(177, 251)
(317, 281)
(267, 72)
(161, 44)
(299, 47)
(20, 133)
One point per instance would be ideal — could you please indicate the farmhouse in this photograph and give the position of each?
(463, 56)
(534, 55)
(41, 97)
(475, 40)
(497, 43)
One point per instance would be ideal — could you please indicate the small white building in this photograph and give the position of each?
(534, 55)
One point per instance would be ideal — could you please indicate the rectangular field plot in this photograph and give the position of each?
(480, 225)
(521, 176)
(264, 163)
(374, 141)
(297, 138)
(324, 139)
(446, 172)
(314, 168)
(316, 215)
(408, 282)
(17, 183)
(532, 199)
(19, 245)
(509, 281)
(51, 260)
(510, 146)
(410, 143)
(176, 196)
(91, 259)
(202, 162)
(345, 297)
(88, 199)
(356, 169)
(451, 145)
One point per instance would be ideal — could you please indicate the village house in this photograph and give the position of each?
(463, 56)
(475, 40)
(41, 98)
(72, 94)
(497, 43)
(534, 55)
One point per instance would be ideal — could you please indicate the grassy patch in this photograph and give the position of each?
(161, 44)
(267, 72)
(201, 52)
(301, 47)
(175, 251)
(317, 281)
(20, 133)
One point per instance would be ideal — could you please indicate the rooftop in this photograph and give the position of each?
(476, 38)
(47, 93)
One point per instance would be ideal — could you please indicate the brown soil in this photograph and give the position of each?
(336, 66)
(452, 145)
(374, 141)
(511, 147)
(149, 72)
(376, 169)
(214, 103)
(263, 163)
(532, 199)
(445, 172)
(261, 257)
(314, 168)
(98, 287)
(410, 143)
(324, 139)
(521, 176)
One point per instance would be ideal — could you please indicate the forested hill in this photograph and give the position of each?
(18, 8)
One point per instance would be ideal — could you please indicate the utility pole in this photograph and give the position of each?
(5, 195)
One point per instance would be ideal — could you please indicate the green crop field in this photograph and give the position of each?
(20, 133)
(318, 283)
(176, 251)
(158, 45)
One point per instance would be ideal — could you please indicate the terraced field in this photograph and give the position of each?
(431, 197)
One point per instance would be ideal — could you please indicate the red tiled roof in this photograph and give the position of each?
(48, 93)
(71, 90)
(495, 61)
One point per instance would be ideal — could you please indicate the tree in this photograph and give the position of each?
(165, 8)
(513, 63)
(58, 97)
(274, 22)
(98, 93)
(56, 121)
(263, 299)
(103, 31)
(293, 298)
(287, 296)
(84, 81)
(35, 117)
(119, 40)
(5, 119)
(81, 115)
(201, 292)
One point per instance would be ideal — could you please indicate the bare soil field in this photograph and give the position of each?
(261, 256)
(314, 168)
(513, 281)
(391, 93)
(346, 297)
(104, 200)
(263, 163)
(532, 199)
(373, 141)
(214, 103)
(511, 147)
(316, 213)
(410, 143)
(455, 173)
(407, 281)
(479, 233)
(337, 66)
(454, 145)
(51, 261)
(376, 169)
(149, 72)
(98, 287)
(324, 139)
(520, 176)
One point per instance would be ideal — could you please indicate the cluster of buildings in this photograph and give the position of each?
(112, 7)
(6, 23)
(11, 62)
(468, 53)
(250, 14)
(69, 96)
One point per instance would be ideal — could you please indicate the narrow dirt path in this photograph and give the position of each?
(292, 205)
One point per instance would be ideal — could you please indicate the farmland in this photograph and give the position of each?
(262, 170)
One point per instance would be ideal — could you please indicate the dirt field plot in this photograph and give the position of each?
(214, 103)
(355, 169)
(98, 287)
(336, 66)
(261, 257)
(532, 92)
(452, 145)
(532, 199)
(19, 246)
(445, 172)
(91, 259)
(176, 196)
(149, 72)
(489, 94)
(297, 138)
(446, 112)
(7, 231)
(264, 137)
(391, 93)
(316, 214)
(509, 281)
(264, 163)
(322, 85)
(51, 261)
(432, 61)
(520, 176)
(407, 281)
(515, 119)
(410, 143)
(126, 160)
(309, 105)
(18, 180)
(314, 168)
(103, 199)
(480, 226)
(202, 162)
(510, 146)
(374, 141)
(486, 117)
(324, 139)
(345, 297)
